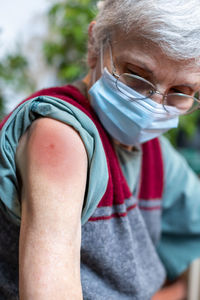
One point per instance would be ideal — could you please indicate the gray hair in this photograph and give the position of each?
(174, 25)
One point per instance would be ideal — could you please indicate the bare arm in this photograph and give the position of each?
(53, 165)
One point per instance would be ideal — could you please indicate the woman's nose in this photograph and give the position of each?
(157, 97)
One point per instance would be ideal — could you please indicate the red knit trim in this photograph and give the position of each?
(149, 208)
(115, 215)
(151, 183)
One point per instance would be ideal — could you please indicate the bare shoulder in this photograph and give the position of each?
(50, 144)
(52, 160)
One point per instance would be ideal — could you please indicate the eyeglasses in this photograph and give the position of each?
(184, 103)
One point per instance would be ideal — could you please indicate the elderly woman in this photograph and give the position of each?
(107, 208)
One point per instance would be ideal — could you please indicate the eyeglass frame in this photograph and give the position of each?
(153, 92)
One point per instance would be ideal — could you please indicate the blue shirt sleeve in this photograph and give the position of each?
(180, 240)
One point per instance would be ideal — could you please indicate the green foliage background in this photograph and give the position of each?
(14, 75)
(65, 50)
(66, 46)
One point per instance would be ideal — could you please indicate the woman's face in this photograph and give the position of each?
(147, 60)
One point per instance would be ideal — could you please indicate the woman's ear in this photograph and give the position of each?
(92, 55)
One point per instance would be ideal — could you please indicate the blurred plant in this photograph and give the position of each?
(66, 45)
(13, 70)
(14, 75)
(64, 48)
(187, 126)
(1, 105)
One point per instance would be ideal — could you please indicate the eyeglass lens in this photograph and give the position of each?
(182, 102)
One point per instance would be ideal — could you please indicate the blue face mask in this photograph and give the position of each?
(129, 122)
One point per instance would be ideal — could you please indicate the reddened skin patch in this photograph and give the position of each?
(54, 149)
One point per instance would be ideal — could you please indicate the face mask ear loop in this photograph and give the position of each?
(94, 76)
(101, 57)
(111, 59)
(101, 65)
